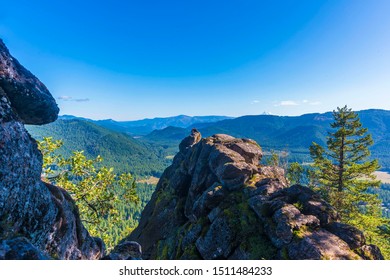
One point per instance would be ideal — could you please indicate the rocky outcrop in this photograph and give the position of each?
(37, 220)
(127, 250)
(20, 248)
(216, 202)
(29, 96)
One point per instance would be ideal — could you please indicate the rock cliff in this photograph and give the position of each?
(216, 202)
(37, 220)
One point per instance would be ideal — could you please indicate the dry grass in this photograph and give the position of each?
(383, 176)
(150, 180)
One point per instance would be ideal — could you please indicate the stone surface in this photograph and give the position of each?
(217, 202)
(20, 248)
(29, 97)
(351, 235)
(37, 220)
(218, 241)
(371, 252)
(127, 250)
(320, 245)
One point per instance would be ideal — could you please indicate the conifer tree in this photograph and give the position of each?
(343, 170)
(295, 173)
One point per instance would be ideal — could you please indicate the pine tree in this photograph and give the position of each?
(343, 169)
(295, 173)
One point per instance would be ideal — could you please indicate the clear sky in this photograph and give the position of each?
(126, 60)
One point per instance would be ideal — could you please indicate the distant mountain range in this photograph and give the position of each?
(146, 126)
(157, 139)
(291, 134)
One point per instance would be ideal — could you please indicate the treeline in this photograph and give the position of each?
(118, 150)
(384, 195)
(129, 215)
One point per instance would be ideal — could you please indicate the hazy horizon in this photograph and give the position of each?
(130, 61)
(212, 115)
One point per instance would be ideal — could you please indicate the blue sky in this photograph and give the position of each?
(129, 60)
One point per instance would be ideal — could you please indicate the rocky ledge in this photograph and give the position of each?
(216, 202)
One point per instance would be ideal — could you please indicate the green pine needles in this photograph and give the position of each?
(344, 174)
(343, 169)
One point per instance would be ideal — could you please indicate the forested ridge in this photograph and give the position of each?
(123, 153)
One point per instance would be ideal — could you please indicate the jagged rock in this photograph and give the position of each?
(20, 248)
(217, 202)
(191, 140)
(208, 200)
(351, 235)
(371, 252)
(70, 240)
(273, 172)
(127, 250)
(30, 98)
(318, 245)
(286, 220)
(310, 203)
(36, 218)
(218, 241)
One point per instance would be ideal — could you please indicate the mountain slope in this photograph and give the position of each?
(292, 134)
(120, 151)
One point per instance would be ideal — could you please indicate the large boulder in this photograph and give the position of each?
(37, 220)
(30, 98)
(216, 201)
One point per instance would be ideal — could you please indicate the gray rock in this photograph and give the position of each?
(351, 235)
(268, 186)
(249, 149)
(191, 236)
(371, 252)
(273, 172)
(29, 97)
(36, 218)
(20, 248)
(218, 241)
(208, 200)
(127, 250)
(286, 220)
(310, 202)
(320, 245)
(190, 141)
(214, 214)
